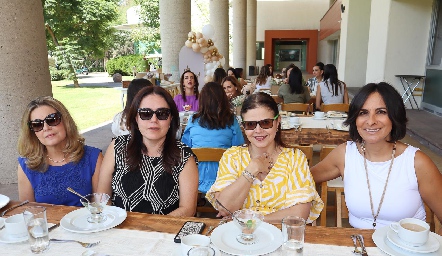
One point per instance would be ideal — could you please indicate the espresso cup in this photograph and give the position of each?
(412, 231)
(319, 114)
(190, 241)
(15, 226)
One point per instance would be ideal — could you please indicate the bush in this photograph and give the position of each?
(96, 69)
(57, 75)
(124, 64)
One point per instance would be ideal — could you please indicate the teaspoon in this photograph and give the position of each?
(78, 194)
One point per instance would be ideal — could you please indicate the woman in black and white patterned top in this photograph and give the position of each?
(149, 170)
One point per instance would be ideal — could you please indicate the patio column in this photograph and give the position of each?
(175, 25)
(24, 72)
(251, 34)
(239, 33)
(219, 19)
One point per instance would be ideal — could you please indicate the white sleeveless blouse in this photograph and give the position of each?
(402, 198)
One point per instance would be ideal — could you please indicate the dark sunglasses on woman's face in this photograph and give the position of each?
(53, 119)
(147, 113)
(264, 124)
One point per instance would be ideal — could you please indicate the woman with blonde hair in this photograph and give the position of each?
(53, 156)
(263, 81)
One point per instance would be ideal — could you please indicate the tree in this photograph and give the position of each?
(150, 14)
(83, 24)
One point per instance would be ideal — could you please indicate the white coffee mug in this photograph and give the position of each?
(294, 120)
(412, 231)
(190, 241)
(15, 226)
(319, 114)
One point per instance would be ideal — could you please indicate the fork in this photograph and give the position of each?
(356, 250)
(86, 245)
(13, 207)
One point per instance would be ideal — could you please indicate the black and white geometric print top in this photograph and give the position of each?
(149, 189)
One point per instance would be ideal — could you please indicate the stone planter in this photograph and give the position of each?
(117, 77)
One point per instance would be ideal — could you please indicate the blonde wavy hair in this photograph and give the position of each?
(30, 147)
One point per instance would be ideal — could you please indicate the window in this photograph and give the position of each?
(259, 50)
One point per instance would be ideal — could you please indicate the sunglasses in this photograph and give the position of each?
(264, 124)
(53, 119)
(147, 113)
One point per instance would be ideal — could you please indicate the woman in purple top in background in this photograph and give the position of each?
(188, 99)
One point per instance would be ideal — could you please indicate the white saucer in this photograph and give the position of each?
(4, 200)
(177, 252)
(380, 239)
(431, 245)
(5, 238)
(319, 118)
(76, 221)
(269, 240)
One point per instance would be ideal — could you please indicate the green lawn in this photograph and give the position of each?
(89, 106)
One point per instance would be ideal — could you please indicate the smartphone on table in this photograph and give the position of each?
(189, 228)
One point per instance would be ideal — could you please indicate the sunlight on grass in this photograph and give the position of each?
(89, 106)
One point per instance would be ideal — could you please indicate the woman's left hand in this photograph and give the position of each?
(259, 165)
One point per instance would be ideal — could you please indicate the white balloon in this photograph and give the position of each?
(208, 79)
(208, 31)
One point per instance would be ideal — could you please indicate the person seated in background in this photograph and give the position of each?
(219, 75)
(188, 99)
(270, 69)
(385, 180)
(119, 121)
(263, 81)
(53, 156)
(213, 126)
(288, 69)
(284, 73)
(231, 87)
(294, 92)
(265, 169)
(240, 76)
(231, 72)
(331, 90)
(318, 76)
(149, 170)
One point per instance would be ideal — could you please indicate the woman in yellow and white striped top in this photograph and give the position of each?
(265, 175)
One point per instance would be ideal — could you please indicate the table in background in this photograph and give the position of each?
(316, 132)
(168, 224)
(410, 83)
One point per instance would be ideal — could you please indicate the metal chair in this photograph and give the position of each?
(342, 107)
(207, 155)
(336, 186)
(305, 108)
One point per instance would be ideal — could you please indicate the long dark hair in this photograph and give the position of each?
(134, 87)
(264, 73)
(295, 81)
(136, 147)
(219, 75)
(395, 109)
(331, 74)
(261, 99)
(214, 108)
(195, 88)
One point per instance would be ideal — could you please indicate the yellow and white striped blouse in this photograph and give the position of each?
(288, 183)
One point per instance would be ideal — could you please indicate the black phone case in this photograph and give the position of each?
(189, 228)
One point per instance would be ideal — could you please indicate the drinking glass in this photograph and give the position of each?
(247, 221)
(37, 225)
(95, 203)
(201, 251)
(293, 228)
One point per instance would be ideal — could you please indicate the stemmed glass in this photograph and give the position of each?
(247, 221)
(95, 203)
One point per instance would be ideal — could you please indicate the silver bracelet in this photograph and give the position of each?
(248, 176)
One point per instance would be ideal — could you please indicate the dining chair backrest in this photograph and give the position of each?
(207, 155)
(274, 89)
(307, 150)
(432, 219)
(305, 108)
(341, 107)
(277, 99)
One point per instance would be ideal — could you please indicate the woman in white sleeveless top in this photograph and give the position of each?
(331, 90)
(385, 180)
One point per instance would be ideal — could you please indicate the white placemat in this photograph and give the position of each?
(119, 242)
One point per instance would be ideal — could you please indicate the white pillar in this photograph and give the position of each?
(24, 72)
(219, 19)
(251, 35)
(239, 33)
(175, 25)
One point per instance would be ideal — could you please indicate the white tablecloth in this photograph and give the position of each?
(133, 242)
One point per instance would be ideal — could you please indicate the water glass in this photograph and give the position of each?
(37, 225)
(293, 229)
